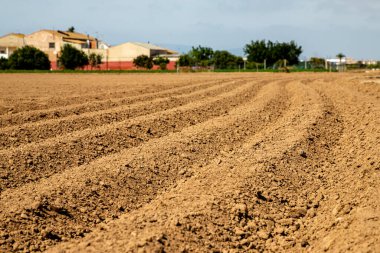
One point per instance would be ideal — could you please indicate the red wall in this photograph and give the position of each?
(122, 65)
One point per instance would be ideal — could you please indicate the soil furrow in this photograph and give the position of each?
(41, 92)
(350, 204)
(130, 173)
(27, 133)
(220, 213)
(276, 162)
(31, 162)
(96, 105)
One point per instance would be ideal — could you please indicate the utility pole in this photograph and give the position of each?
(265, 64)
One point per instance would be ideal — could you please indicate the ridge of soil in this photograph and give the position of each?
(239, 162)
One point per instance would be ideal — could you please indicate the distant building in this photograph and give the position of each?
(9, 43)
(118, 57)
(51, 42)
(121, 56)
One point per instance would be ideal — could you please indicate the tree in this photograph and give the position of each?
(201, 55)
(162, 62)
(225, 60)
(340, 57)
(4, 63)
(72, 58)
(271, 52)
(71, 29)
(143, 61)
(185, 60)
(95, 60)
(29, 58)
(317, 63)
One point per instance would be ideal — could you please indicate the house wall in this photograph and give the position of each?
(41, 40)
(9, 43)
(12, 40)
(126, 52)
(117, 65)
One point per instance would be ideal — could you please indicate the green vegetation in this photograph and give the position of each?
(225, 60)
(143, 61)
(4, 64)
(273, 53)
(201, 56)
(72, 58)
(162, 62)
(27, 58)
(317, 63)
(206, 57)
(71, 29)
(95, 60)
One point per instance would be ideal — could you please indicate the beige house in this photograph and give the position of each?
(51, 42)
(10, 42)
(130, 50)
(116, 57)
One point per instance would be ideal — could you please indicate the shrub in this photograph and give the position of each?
(95, 60)
(72, 58)
(29, 58)
(143, 61)
(162, 62)
(4, 63)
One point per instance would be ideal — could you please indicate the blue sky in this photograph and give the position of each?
(322, 27)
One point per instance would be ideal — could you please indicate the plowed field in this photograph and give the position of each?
(190, 163)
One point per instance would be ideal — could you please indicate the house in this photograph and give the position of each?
(122, 56)
(51, 42)
(9, 43)
(118, 57)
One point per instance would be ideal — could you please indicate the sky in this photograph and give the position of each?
(323, 28)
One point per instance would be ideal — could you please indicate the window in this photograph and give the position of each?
(2, 51)
(51, 45)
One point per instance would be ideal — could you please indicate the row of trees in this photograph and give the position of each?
(146, 62)
(206, 57)
(31, 58)
(258, 52)
(272, 53)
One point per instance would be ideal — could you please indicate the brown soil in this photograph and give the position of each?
(190, 163)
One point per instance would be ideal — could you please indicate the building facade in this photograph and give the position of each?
(9, 43)
(118, 57)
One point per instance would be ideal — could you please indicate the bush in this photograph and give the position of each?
(185, 60)
(143, 61)
(162, 62)
(29, 58)
(4, 63)
(95, 60)
(72, 58)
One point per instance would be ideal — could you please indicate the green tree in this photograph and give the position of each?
(71, 29)
(202, 56)
(29, 58)
(272, 52)
(143, 61)
(72, 58)
(162, 62)
(95, 60)
(185, 60)
(225, 60)
(340, 57)
(4, 63)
